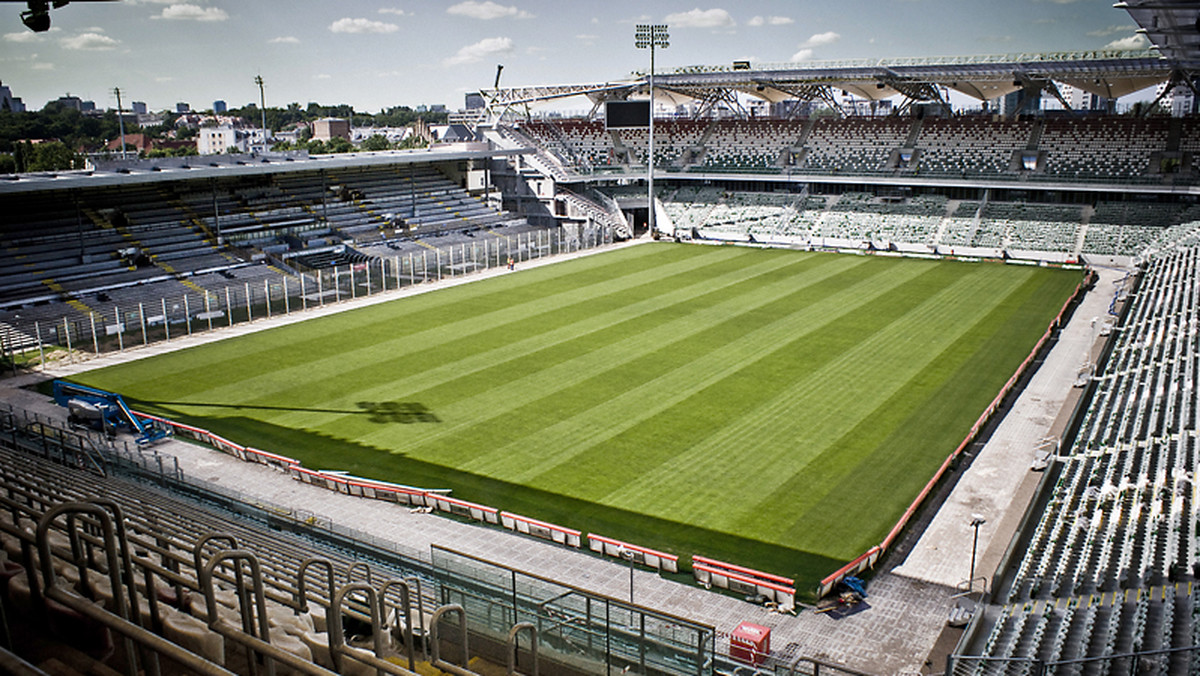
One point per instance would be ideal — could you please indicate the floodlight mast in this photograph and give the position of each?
(120, 120)
(262, 105)
(651, 35)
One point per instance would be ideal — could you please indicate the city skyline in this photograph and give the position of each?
(378, 54)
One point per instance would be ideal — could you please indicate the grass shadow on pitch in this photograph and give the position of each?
(674, 536)
(403, 412)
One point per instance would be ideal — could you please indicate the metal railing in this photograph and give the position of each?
(75, 332)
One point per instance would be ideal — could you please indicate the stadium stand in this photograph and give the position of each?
(676, 142)
(1031, 227)
(1108, 566)
(150, 254)
(577, 143)
(750, 146)
(1105, 147)
(1060, 148)
(112, 559)
(970, 145)
(169, 544)
(854, 145)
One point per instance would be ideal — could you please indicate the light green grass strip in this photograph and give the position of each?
(414, 385)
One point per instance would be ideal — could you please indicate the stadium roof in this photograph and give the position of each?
(1106, 73)
(1173, 26)
(118, 173)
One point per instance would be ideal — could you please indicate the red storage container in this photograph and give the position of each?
(750, 643)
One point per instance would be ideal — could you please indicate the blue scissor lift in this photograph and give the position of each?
(104, 411)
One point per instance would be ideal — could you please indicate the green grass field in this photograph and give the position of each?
(776, 409)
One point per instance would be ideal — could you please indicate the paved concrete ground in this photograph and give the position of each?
(907, 607)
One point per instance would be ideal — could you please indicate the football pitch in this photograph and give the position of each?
(775, 409)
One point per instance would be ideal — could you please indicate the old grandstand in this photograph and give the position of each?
(184, 561)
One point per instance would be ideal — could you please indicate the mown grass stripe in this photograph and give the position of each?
(563, 443)
(797, 425)
(305, 371)
(489, 416)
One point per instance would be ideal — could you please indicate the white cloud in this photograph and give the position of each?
(284, 40)
(1131, 42)
(821, 39)
(322, 76)
(701, 18)
(480, 50)
(349, 25)
(1111, 30)
(486, 10)
(24, 37)
(188, 12)
(771, 20)
(90, 42)
(43, 65)
(392, 10)
(802, 55)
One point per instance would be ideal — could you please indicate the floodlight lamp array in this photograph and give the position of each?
(651, 35)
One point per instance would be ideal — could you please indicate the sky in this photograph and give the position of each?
(374, 54)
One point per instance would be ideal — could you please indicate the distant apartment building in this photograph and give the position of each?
(9, 102)
(219, 107)
(331, 127)
(225, 139)
(69, 101)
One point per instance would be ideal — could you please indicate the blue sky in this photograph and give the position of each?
(377, 53)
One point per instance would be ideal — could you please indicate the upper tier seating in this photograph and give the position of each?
(854, 145)
(1102, 147)
(970, 145)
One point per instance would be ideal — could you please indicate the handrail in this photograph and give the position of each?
(415, 583)
(337, 639)
(437, 660)
(302, 586)
(405, 599)
(355, 566)
(217, 623)
(512, 647)
(111, 525)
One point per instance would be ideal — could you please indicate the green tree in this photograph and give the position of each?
(53, 156)
(339, 145)
(413, 141)
(376, 142)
